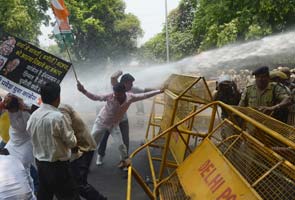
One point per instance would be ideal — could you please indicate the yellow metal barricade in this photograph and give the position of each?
(181, 97)
(234, 161)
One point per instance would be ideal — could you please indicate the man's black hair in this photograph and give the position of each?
(119, 87)
(13, 104)
(127, 77)
(34, 108)
(50, 92)
(4, 151)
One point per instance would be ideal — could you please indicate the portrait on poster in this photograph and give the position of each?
(7, 45)
(2, 61)
(11, 66)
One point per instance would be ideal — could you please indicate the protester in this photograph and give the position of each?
(4, 125)
(14, 180)
(127, 80)
(82, 159)
(19, 144)
(109, 117)
(52, 139)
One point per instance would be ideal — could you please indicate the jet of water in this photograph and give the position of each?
(272, 51)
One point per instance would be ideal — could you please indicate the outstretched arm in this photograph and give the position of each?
(285, 102)
(91, 96)
(142, 96)
(115, 76)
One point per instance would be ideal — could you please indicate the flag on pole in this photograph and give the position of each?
(62, 29)
(61, 14)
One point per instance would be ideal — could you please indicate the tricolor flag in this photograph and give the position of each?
(61, 13)
(62, 29)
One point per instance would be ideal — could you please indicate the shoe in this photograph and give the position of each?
(121, 164)
(124, 163)
(127, 162)
(99, 160)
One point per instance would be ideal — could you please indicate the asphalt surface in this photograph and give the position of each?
(107, 178)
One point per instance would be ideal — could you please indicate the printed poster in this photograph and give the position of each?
(24, 68)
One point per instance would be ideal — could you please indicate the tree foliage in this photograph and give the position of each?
(198, 25)
(220, 22)
(102, 29)
(23, 18)
(181, 41)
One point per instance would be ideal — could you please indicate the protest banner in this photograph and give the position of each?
(24, 68)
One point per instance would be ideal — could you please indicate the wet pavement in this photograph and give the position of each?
(107, 178)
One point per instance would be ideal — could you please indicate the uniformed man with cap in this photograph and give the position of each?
(280, 78)
(264, 95)
(226, 92)
(287, 82)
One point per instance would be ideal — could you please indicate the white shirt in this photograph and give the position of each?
(52, 137)
(19, 144)
(14, 183)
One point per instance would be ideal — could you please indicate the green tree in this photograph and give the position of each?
(200, 25)
(102, 30)
(23, 18)
(154, 50)
(220, 22)
(181, 40)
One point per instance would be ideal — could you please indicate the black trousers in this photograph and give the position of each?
(55, 178)
(80, 169)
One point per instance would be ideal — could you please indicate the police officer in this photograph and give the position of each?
(279, 77)
(226, 92)
(264, 95)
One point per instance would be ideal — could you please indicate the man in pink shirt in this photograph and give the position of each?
(109, 117)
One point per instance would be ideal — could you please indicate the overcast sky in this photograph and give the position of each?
(151, 14)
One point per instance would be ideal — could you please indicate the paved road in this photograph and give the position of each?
(108, 179)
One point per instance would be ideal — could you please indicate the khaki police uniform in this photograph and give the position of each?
(270, 96)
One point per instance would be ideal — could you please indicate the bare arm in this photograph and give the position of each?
(142, 96)
(284, 103)
(115, 76)
(149, 89)
(137, 90)
(90, 95)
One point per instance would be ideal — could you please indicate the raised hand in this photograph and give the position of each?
(80, 87)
